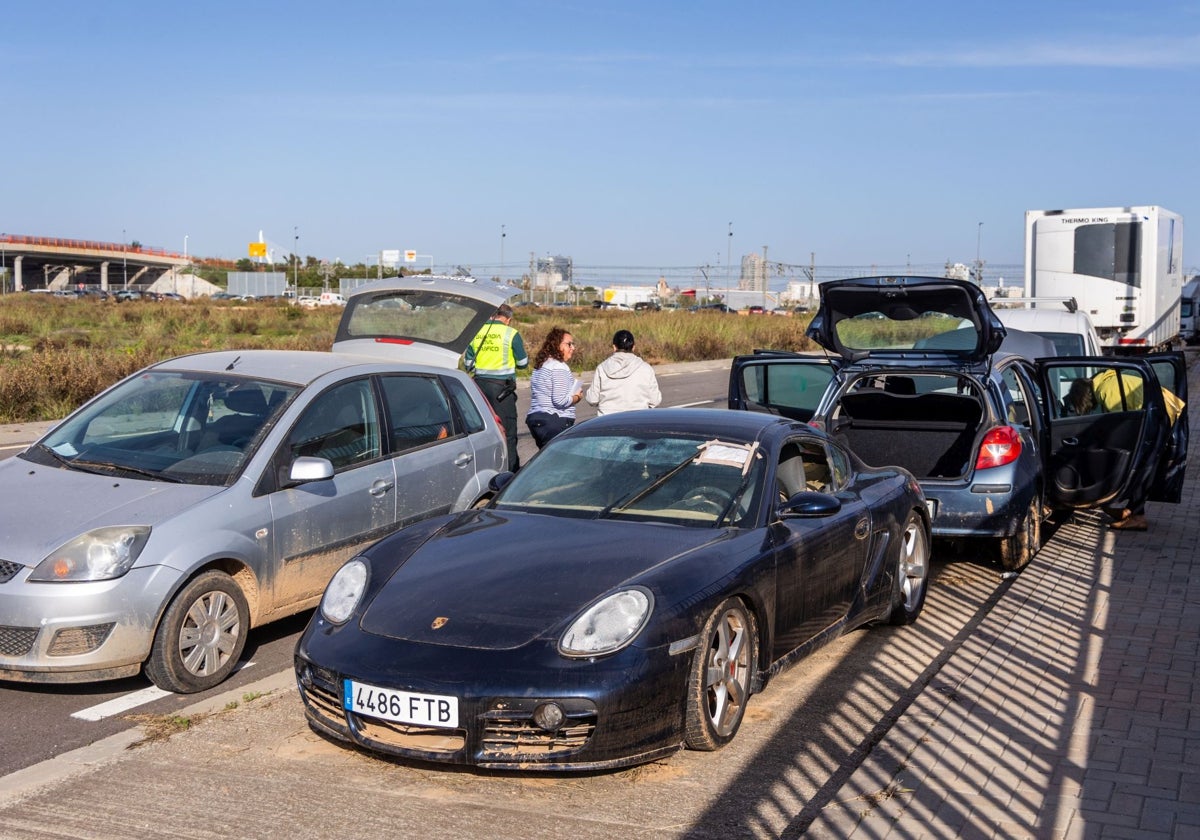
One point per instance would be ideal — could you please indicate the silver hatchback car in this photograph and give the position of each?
(212, 493)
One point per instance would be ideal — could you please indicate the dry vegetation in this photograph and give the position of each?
(57, 353)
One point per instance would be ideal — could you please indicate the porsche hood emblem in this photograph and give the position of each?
(439, 623)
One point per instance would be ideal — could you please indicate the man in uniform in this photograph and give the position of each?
(493, 357)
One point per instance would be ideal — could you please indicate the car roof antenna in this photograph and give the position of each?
(234, 362)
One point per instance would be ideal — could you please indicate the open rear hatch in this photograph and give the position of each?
(422, 319)
(906, 317)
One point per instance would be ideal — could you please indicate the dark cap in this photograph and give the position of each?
(623, 340)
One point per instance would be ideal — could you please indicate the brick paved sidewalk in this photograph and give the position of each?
(1073, 711)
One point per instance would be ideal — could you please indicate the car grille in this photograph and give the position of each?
(8, 570)
(319, 688)
(403, 736)
(17, 641)
(522, 739)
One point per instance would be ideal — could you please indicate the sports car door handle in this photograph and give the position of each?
(380, 487)
(464, 459)
(861, 528)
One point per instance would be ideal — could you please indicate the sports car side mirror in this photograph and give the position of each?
(499, 481)
(809, 503)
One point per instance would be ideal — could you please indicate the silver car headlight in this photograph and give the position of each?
(608, 625)
(102, 554)
(345, 591)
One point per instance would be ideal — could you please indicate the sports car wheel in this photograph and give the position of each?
(912, 572)
(1016, 551)
(719, 684)
(201, 635)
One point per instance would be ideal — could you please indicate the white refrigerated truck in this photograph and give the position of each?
(1124, 265)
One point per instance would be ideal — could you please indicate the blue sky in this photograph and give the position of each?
(616, 133)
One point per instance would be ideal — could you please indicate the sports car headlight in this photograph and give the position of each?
(345, 591)
(102, 554)
(608, 625)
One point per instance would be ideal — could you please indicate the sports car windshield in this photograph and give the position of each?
(180, 427)
(681, 480)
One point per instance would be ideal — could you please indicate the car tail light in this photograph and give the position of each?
(1001, 445)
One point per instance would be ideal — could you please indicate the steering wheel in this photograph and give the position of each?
(706, 499)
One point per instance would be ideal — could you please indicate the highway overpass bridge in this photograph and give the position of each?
(46, 262)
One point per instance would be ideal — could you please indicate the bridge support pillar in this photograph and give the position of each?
(18, 285)
(104, 275)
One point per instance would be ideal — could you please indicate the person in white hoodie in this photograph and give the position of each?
(623, 381)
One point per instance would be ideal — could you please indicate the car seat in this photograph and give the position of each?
(248, 410)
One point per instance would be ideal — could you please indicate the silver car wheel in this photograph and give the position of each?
(912, 571)
(209, 634)
(719, 686)
(201, 635)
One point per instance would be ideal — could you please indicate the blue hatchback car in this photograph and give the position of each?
(918, 374)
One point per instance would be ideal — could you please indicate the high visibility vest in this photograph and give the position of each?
(493, 350)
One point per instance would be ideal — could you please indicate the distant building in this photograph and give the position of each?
(552, 272)
(754, 273)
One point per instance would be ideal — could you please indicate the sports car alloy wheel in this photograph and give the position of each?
(201, 635)
(912, 572)
(719, 685)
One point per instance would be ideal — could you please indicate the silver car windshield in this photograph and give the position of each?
(681, 480)
(184, 427)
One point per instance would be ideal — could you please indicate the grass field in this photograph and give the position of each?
(56, 352)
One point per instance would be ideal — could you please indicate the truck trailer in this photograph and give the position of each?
(1124, 265)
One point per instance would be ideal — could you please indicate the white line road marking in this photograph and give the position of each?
(121, 704)
(129, 701)
(693, 405)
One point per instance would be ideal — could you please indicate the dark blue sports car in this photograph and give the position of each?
(622, 596)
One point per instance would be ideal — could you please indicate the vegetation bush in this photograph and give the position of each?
(55, 353)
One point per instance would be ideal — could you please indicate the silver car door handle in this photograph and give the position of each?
(1071, 441)
(464, 459)
(380, 487)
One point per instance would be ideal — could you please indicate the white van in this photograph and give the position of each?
(331, 299)
(1071, 330)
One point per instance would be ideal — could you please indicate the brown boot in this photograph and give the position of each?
(1134, 522)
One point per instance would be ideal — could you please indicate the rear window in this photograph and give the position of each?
(443, 320)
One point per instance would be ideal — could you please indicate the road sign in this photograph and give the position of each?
(258, 249)
(410, 256)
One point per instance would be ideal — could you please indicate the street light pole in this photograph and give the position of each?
(296, 256)
(728, 252)
(502, 235)
(124, 264)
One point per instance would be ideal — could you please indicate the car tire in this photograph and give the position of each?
(201, 635)
(722, 672)
(912, 572)
(1016, 551)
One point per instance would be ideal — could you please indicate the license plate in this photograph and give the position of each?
(437, 710)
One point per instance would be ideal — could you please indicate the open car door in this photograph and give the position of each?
(1171, 370)
(1116, 430)
(780, 382)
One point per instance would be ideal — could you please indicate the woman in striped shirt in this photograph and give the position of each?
(553, 389)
